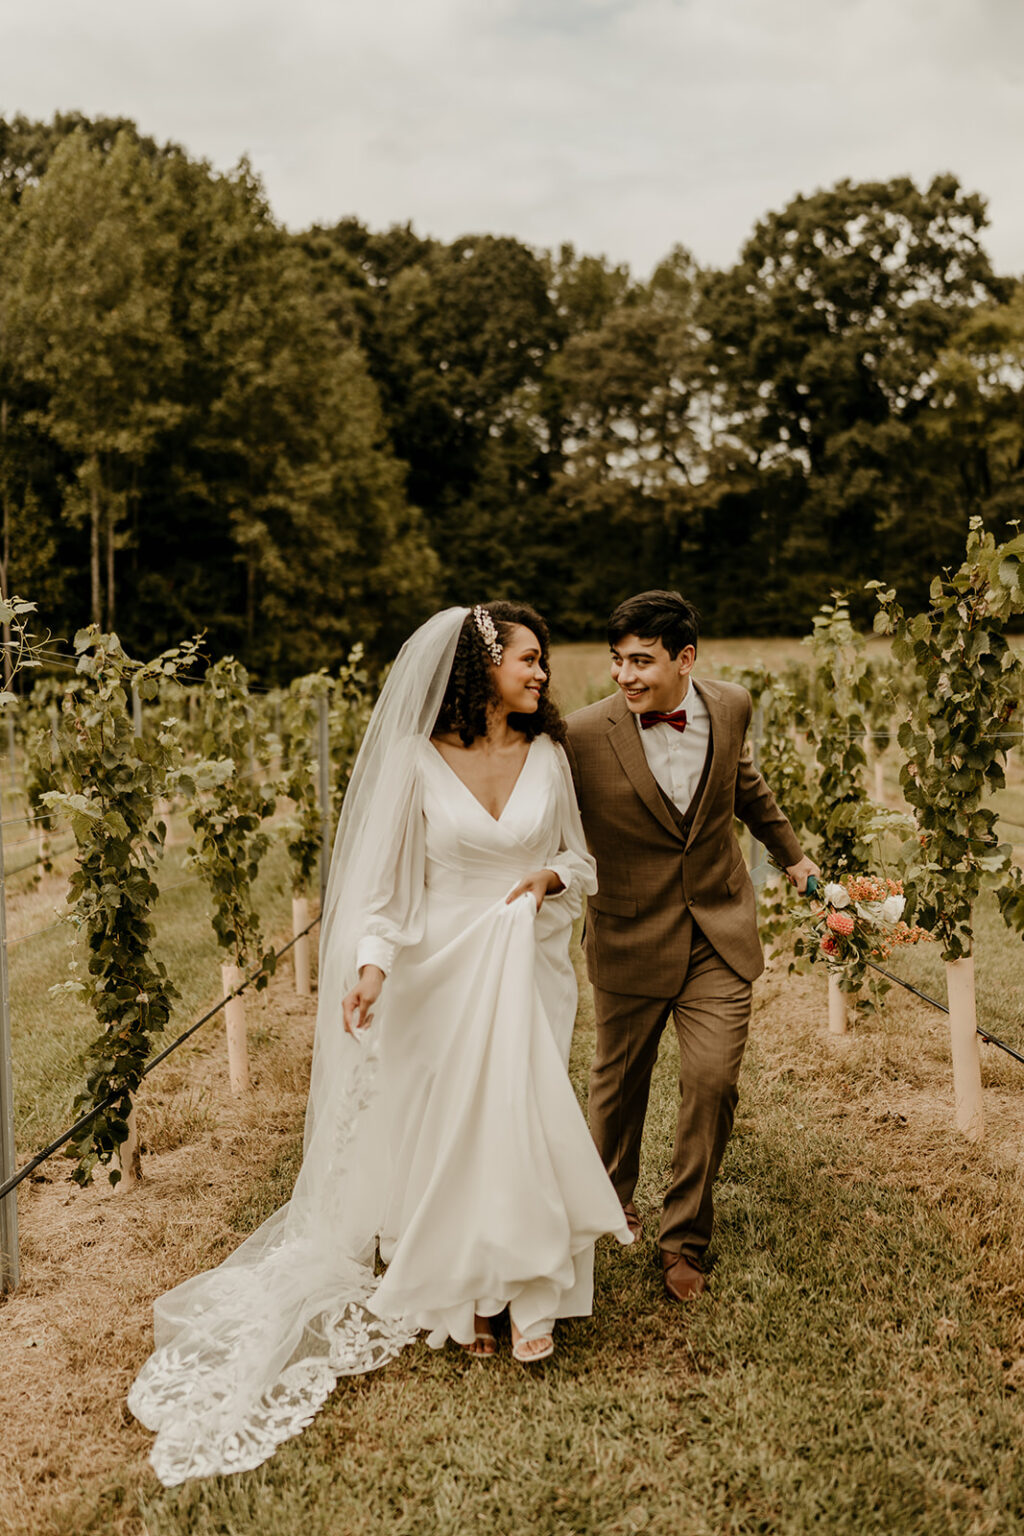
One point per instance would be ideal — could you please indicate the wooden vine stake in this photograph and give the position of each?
(228, 842)
(956, 741)
(232, 976)
(129, 1153)
(963, 1040)
(838, 1016)
(300, 949)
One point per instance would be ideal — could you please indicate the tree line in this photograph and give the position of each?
(294, 440)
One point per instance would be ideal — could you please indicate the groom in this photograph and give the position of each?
(661, 770)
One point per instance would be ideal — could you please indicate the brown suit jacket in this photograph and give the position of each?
(651, 875)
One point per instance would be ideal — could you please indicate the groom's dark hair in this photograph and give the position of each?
(664, 616)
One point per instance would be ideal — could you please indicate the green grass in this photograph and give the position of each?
(849, 1373)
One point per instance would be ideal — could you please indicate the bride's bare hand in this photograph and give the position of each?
(356, 1006)
(543, 882)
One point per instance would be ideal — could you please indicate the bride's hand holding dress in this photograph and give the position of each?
(356, 1006)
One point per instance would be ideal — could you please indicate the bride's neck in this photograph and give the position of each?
(499, 732)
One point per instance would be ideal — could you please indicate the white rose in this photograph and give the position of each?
(892, 908)
(837, 895)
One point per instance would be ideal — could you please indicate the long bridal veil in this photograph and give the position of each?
(246, 1353)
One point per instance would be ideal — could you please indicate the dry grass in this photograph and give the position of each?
(75, 1333)
(859, 1367)
(50, 1034)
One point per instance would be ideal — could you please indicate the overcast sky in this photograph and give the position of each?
(624, 126)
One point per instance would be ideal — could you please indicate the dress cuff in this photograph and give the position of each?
(564, 874)
(372, 950)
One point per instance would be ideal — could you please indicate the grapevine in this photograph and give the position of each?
(111, 780)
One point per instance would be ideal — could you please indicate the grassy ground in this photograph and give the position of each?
(49, 1034)
(857, 1366)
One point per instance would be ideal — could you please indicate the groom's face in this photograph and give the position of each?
(649, 677)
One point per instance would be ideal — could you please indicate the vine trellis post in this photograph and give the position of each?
(21, 649)
(9, 1265)
(129, 1153)
(302, 783)
(324, 757)
(229, 843)
(955, 742)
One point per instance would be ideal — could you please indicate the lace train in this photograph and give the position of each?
(188, 1398)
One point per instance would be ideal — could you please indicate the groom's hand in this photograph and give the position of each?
(799, 874)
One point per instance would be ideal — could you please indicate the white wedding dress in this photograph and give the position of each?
(449, 1131)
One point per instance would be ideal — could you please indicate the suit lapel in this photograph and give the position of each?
(719, 728)
(625, 741)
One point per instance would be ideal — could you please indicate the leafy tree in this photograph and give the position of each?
(632, 454)
(27, 146)
(93, 257)
(458, 338)
(824, 340)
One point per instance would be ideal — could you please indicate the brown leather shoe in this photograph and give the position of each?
(683, 1276)
(633, 1221)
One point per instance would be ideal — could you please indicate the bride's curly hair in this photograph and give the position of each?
(471, 687)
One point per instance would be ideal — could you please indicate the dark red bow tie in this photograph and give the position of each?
(677, 720)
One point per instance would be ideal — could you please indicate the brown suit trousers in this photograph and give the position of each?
(671, 933)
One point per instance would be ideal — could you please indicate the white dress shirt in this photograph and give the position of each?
(676, 758)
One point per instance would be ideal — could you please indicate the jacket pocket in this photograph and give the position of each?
(614, 906)
(737, 878)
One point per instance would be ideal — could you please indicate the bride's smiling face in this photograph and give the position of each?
(520, 677)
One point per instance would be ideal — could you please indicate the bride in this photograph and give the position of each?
(441, 1128)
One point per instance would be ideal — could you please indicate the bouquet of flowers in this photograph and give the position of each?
(854, 920)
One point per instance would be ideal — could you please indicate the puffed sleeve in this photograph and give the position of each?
(572, 863)
(392, 914)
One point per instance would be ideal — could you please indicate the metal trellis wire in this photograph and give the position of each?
(989, 1039)
(112, 1098)
(984, 1034)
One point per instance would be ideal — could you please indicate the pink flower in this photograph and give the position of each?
(828, 945)
(840, 922)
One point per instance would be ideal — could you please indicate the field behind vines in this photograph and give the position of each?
(858, 1366)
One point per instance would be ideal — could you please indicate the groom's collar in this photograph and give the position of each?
(618, 708)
